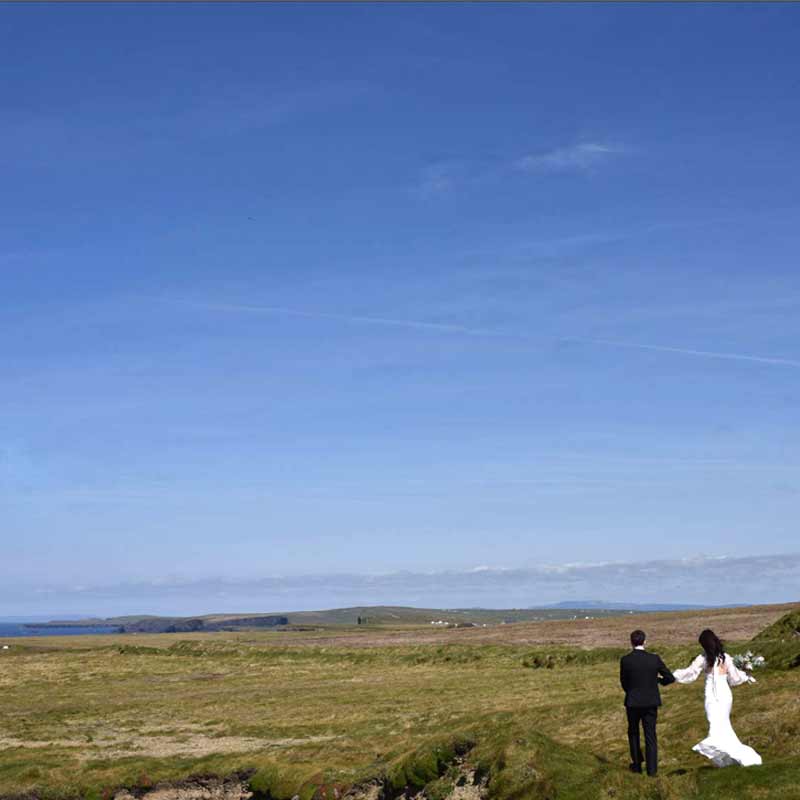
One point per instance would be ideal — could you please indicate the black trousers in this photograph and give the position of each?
(647, 717)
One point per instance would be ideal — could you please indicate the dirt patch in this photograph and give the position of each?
(465, 785)
(468, 787)
(370, 791)
(234, 787)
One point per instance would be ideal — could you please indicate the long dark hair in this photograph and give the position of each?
(714, 649)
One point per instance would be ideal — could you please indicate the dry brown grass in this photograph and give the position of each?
(663, 628)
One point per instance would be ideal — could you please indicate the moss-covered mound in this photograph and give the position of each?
(786, 628)
(779, 643)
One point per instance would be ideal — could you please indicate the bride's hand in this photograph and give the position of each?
(751, 679)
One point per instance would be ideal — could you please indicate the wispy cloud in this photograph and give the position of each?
(441, 177)
(100, 130)
(574, 158)
(234, 112)
(704, 579)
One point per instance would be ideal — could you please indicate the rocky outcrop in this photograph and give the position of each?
(164, 625)
(192, 624)
(248, 622)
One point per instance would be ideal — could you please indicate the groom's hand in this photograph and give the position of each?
(665, 676)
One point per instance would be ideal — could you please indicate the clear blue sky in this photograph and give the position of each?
(364, 288)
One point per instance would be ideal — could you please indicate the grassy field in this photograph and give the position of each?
(315, 713)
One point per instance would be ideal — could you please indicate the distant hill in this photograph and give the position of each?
(407, 615)
(394, 616)
(385, 616)
(584, 605)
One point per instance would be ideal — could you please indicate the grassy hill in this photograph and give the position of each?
(369, 615)
(529, 710)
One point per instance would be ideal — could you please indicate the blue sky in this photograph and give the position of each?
(322, 289)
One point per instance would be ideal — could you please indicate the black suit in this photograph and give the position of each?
(640, 673)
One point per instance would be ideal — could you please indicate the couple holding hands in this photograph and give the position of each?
(640, 673)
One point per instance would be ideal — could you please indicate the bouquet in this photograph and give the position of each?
(748, 661)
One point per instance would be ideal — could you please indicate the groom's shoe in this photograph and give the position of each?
(635, 768)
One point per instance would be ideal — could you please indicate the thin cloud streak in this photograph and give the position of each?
(785, 362)
(449, 328)
(405, 323)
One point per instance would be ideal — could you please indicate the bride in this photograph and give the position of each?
(722, 745)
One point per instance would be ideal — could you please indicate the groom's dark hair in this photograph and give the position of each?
(637, 638)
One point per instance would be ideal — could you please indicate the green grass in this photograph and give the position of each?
(82, 718)
(786, 629)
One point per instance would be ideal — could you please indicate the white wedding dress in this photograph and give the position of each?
(722, 745)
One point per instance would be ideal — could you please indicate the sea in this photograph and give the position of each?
(13, 629)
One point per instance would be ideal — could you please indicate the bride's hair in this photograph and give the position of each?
(714, 649)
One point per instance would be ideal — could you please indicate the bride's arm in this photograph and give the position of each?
(736, 676)
(692, 672)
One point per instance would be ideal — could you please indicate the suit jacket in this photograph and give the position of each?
(640, 673)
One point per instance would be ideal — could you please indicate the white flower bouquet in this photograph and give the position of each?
(748, 661)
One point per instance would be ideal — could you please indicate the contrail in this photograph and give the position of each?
(785, 362)
(404, 323)
(464, 329)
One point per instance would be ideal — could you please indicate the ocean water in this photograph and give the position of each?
(9, 629)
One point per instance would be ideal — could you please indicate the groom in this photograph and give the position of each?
(640, 673)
